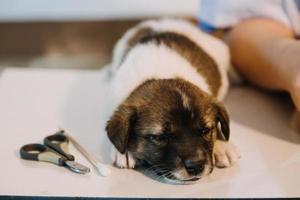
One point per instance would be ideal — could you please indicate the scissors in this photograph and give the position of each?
(54, 150)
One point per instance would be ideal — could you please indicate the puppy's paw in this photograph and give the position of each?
(225, 154)
(123, 160)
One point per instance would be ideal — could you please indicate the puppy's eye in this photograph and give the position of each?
(159, 138)
(204, 131)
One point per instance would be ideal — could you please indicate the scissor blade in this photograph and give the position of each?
(76, 167)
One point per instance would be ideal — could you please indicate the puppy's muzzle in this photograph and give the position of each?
(194, 167)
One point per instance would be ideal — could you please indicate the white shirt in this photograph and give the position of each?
(227, 13)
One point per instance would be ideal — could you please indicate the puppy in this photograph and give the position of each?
(167, 81)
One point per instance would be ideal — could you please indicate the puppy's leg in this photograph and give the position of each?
(122, 160)
(225, 154)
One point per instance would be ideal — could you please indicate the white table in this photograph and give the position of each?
(34, 102)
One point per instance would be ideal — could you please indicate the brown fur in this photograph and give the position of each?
(157, 127)
(135, 39)
(185, 47)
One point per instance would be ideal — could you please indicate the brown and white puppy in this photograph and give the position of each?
(168, 78)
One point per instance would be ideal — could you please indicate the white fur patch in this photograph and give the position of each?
(185, 99)
(149, 61)
(216, 48)
(122, 160)
(225, 154)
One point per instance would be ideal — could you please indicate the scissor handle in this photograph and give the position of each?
(41, 153)
(59, 143)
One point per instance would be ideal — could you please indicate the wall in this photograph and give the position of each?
(75, 10)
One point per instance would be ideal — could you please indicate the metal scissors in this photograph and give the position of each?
(54, 150)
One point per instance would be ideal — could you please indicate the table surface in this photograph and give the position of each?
(35, 102)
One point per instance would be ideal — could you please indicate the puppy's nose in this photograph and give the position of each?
(194, 167)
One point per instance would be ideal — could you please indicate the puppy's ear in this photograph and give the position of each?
(120, 125)
(222, 119)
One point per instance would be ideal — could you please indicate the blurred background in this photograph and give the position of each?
(74, 33)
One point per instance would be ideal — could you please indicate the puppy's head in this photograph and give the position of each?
(170, 127)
